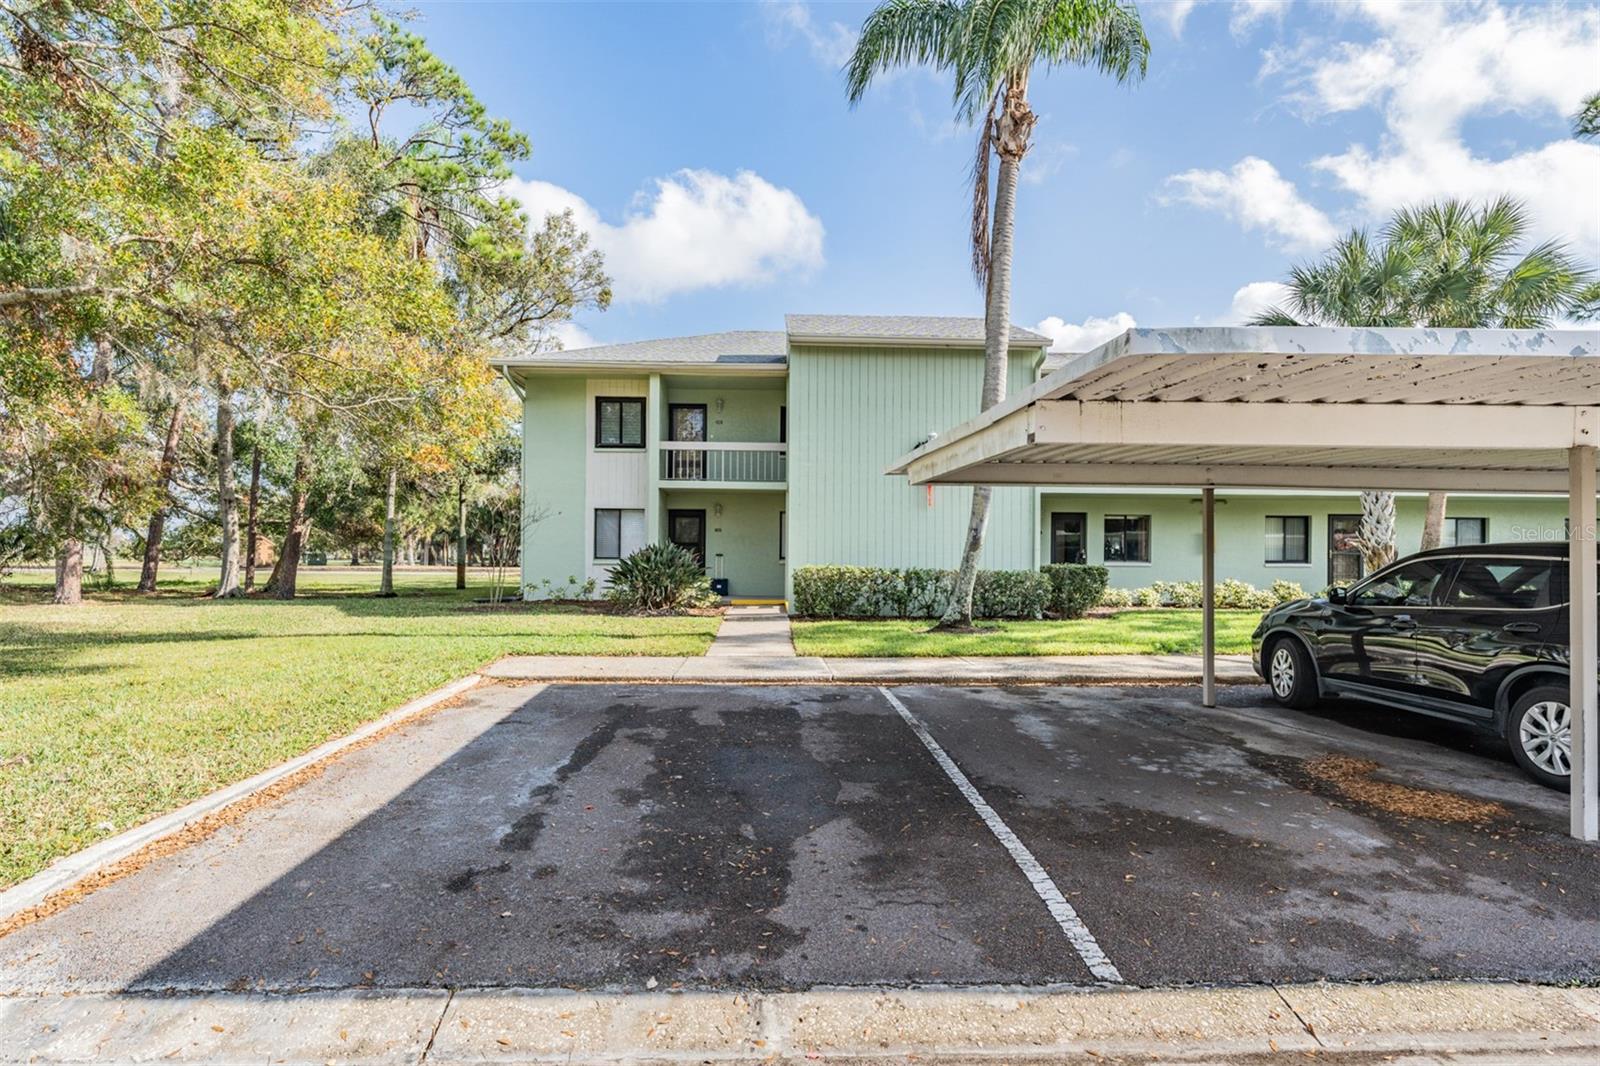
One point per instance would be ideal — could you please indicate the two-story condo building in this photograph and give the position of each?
(764, 451)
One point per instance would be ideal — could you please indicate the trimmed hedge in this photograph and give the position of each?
(870, 592)
(1074, 588)
(1230, 594)
(1062, 590)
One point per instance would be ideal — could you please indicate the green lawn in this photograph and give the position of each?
(127, 707)
(1165, 631)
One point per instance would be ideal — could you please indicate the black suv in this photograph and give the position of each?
(1477, 634)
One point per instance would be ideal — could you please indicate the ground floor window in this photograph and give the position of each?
(618, 532)
(1128, 538)
(1288, 539)
(1465, 531)
(783, 535)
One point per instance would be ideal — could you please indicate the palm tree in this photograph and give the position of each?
(1586, 123)
(991, 48)
(1446, 264)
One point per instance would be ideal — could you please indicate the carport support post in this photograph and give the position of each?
(1208, 596)
(1585, 646)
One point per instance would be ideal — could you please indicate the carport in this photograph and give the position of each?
(1515, 411)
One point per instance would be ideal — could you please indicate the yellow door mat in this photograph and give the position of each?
(758, 603)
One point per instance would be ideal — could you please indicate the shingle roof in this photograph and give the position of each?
(904, 329)
(742, 346)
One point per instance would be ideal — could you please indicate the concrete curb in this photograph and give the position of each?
(69, 870)
(955, 670)
(1420, 1022)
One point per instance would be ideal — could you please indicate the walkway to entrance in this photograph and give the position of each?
(762, 631)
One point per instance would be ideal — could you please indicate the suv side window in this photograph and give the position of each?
(1412, 585)
(1510, 584)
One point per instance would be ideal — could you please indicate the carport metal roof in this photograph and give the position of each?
(1482, 410)
(1489, 410)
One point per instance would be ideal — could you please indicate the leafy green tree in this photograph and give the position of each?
(435, 186)
(991, 48)
(1448, 264)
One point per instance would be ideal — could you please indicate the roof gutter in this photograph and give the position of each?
(834, 341)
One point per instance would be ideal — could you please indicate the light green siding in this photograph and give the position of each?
(741, 542)
(852, 411)
(1242, 523)
(554, 452)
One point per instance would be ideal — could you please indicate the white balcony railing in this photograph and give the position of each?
(718, 461)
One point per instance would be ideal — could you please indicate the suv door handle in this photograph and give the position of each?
(1530, 628)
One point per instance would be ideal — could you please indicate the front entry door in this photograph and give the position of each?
(688, 423)
(1344, 558)
(687, 529)
(1069, 537)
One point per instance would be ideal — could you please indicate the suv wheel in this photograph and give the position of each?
(1539, 732)
(1290, 674)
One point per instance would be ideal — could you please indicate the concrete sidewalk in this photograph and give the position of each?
(987, 670)
(759, 632)
(1405, 1023)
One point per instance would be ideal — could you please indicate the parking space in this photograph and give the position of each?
(601, 836)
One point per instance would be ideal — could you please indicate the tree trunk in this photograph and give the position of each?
(227, 499)
(461, 534)
(69, 556)
(386, 584)
(158, 520)
(252, 523)
(996, 337)
(288, 568)
(69, 572)
(1375, 535)
(1433, 525)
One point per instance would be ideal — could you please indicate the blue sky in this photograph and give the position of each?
(710, 150)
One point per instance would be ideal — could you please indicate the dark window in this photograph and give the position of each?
(1288, 539)
(1127, 538)
(1412, 585)
(618, 422)
(618, 533)
(1512, 584)
(1465, 531)
(783, 425)
(1069, 537)
(783, 535)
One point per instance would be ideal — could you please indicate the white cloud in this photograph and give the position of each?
(1255, 195)
(571, 335)
(787, 20)
(1090, 333)
(1432, 67)
(1427, 70)
(1175, 13)
(1247, 13)
(1252, 299)
(698, 230)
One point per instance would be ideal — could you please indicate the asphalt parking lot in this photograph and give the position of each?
(776, 837)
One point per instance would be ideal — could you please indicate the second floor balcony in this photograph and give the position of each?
(723, 462)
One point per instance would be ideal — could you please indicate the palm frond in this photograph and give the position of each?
(1586, 123)
(980, 196)
(1274, 316)
(1104, 35)
(903, 33)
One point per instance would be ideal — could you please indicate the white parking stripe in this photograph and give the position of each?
(1083, 941)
